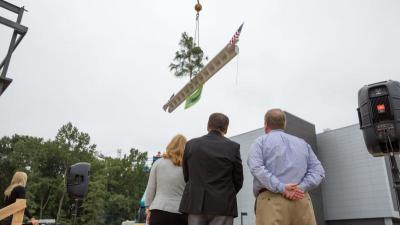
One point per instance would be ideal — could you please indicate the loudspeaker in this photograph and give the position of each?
(78, 180)
(379, 116)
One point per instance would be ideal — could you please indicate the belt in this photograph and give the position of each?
(262, 190)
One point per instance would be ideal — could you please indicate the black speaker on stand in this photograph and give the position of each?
(379, 117)
(78, 183)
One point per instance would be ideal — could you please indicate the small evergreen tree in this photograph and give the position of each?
(188, 60)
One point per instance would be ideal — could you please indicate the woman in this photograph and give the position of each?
(16, 190)
(165, 186)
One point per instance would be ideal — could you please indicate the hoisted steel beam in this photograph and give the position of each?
(219, 61)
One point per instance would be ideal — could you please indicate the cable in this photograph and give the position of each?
(197, 31)
(237, 70)
(390, 143)
(198, 8)
(393, 166)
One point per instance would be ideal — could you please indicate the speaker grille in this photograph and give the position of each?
(379, 117)
(364, 115)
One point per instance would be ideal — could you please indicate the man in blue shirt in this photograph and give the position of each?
(285, 168)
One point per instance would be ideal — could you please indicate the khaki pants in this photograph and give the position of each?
(274, 209)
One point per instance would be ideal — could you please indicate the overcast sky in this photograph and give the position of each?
(103, 65)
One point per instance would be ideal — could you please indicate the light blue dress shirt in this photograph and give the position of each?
(278, 158)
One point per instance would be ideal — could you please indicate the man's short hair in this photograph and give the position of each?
(218, 121)
(275, 119)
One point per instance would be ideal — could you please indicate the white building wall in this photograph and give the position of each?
(356, 184)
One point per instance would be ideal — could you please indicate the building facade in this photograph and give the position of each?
(357, 189)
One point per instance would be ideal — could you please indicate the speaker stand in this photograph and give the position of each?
(76, 211)
(394, 168)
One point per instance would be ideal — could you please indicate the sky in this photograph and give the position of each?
(103, 65)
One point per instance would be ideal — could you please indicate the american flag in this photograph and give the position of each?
(235, 37)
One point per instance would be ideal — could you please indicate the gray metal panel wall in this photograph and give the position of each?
(356, 184)
(372, 221)
(390, 177)
(295, 126)
(245, 197)
(303, 129)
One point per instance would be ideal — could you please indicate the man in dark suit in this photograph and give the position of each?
(213, 173)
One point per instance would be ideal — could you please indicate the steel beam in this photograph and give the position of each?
(4, 83)
(18, 34)
(13, 49)
(217, 63)
(9, 6)
(16, 26)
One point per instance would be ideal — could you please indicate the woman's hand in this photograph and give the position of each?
(148, 213)
(34, 221)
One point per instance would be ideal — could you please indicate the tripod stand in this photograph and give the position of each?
(76, 211)
(394, 168)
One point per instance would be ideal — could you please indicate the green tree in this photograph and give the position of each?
(76, 141)
(79, 150)
(188, 60)
(115, 188)
(18, 154)
(6, 166)
(93, 212)
(47, 178)
(126, 182)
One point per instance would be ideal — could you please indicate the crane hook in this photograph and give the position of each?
(198, 6)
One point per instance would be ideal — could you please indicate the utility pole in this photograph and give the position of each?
(18, 35)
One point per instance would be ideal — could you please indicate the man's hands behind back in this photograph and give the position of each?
(293, 192)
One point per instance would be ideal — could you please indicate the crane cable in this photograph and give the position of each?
(198, 8)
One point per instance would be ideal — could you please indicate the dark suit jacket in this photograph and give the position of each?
(213, 172)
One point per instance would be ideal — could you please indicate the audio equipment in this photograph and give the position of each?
(78, 180)
(379, 117)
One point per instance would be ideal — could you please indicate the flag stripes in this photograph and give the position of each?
(235, 37)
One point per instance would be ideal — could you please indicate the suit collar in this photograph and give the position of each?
(215, 133)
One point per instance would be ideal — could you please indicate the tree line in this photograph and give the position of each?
(116, 184)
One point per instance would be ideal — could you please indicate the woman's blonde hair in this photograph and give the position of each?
(19, 179)
(175, 150)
